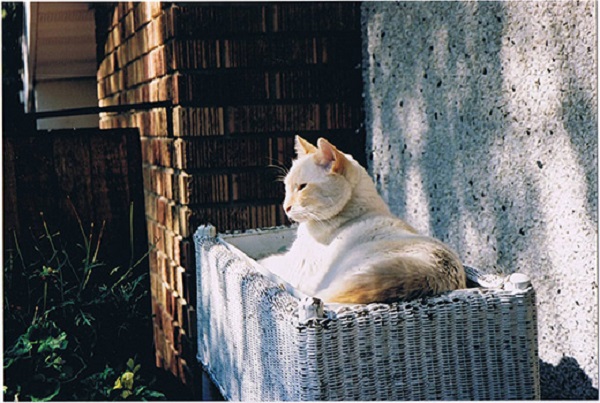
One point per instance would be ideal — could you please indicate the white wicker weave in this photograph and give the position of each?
(259, 342)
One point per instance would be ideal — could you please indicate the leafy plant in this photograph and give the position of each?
(107, 385)
(42, 353)
(69, 318)
(125, 385)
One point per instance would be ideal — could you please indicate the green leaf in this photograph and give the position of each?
(54, 361)
(22, 347)
(84, 318)
(53, 343)
(154, 394)
(8, 362)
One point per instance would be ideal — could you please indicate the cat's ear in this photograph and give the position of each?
(331, 157)
(303, 147)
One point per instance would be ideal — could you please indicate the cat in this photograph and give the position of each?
(349, 247)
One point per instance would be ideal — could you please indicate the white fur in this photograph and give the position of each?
(346, 230)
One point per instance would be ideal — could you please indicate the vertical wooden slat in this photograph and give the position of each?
(95, 173)
(36, 182)
(9, 195)
(72, 167)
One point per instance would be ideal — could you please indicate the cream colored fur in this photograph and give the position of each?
(349, 247)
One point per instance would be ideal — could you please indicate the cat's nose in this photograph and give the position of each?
(288, 208)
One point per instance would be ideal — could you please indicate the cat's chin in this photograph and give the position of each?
(305, 216)
(296, 218)
(300, 217)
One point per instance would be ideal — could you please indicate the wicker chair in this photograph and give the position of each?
(259, 341)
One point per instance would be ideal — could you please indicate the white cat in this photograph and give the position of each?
(349, 247)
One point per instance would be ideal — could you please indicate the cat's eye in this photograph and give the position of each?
(301, 186)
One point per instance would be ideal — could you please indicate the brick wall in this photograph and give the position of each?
(236, 82)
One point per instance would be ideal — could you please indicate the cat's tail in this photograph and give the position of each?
(402, 277)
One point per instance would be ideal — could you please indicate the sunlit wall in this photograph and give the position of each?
(482, 131)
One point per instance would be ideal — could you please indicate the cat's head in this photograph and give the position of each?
(320, 182)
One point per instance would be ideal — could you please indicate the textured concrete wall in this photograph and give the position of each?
(482, 131)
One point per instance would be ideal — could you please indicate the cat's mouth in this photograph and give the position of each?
(297, 215)
(294, 217)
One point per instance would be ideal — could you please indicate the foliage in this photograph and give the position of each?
(125, 387)
(70, 321)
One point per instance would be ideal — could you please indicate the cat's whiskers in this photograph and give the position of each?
(282, 170)
(316, 219)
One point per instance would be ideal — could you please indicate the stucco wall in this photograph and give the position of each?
(482, 131)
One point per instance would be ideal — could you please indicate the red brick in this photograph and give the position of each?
(158, 314)
(159, 360)
(174, 215)
(183, 374)
(177, 239)
(208, 163)
(167, 319)
(154, 284)
(187, 346)
(168, 181)
(191, 320)
(164, 269)
(182, 316)
(164, 89)
(156, 184)
(180, 154)
(178, 283)
(187, 257)
(159, 339)
(189, 121)
(173, 361)
(273, 118)
(198, 188)
(168, 251)
(184, 214)
(165, 150)
(161, 210)
(155, 32)
(160, 244)
(188, 279)
(150, 227)
(177, 336)
(147, 173)
(173, 280)
(169, 360)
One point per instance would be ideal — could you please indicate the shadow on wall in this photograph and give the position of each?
(566, 381)
(482, 131)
